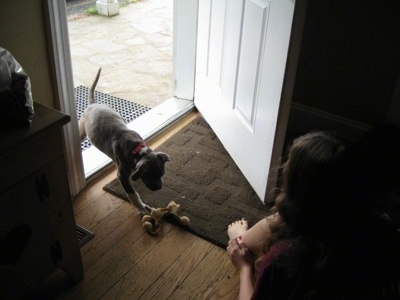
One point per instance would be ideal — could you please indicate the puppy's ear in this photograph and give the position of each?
(140, 168)
(163, 156)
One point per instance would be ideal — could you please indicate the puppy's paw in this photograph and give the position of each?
(148, 208)
(141, 212)
(145, 210)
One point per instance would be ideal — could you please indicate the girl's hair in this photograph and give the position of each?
(311, 191)
(320, 180)
(325, 212)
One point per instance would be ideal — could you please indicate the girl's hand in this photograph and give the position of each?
(239, 254)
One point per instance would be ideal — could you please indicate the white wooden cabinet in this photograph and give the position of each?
(37, 224)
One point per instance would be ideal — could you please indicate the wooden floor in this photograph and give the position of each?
(122, 261)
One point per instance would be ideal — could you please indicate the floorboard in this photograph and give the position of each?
(122, 261)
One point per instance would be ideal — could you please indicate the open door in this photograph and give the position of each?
(242, 51)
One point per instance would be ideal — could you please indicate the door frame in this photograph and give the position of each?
(299, 16)
(184, 53)
(57, 25)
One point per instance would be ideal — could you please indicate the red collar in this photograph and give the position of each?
(135, 152)
(138, 148)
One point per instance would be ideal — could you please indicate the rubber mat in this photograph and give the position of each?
(127, 110)
(204, 180)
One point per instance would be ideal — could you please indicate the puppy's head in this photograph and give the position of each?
(150, 169)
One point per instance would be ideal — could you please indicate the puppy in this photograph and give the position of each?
(108, 132)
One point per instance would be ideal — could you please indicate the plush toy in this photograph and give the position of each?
(152, 221)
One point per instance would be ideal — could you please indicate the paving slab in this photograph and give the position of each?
(134, 50)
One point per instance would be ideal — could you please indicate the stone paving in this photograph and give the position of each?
(134, 50)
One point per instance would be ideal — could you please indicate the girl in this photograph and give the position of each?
(323, 240)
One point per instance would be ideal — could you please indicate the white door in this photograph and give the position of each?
(242, 49)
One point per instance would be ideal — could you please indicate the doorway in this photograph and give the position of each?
(134, 50)
(148, 124)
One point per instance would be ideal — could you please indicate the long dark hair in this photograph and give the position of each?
(326, 217)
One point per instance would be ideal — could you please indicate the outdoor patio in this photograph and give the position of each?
(134, 49)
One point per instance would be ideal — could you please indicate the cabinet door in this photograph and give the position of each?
(37, 231)
(25, 236)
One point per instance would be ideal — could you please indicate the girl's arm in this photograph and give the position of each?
(241, 258)
(246, 287)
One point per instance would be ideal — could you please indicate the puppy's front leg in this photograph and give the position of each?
(133, 196)
(138, 203)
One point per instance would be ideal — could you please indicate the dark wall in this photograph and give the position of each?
(23, 34)
(349, 61)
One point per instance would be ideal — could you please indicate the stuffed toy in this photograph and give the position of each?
(152, 221)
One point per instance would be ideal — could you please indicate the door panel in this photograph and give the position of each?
(241, 57)
(248, 64)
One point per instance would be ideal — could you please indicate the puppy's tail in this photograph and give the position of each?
(91, 98)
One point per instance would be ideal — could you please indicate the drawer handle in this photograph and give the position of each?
(42, 187)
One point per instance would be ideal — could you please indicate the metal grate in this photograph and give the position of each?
(126, 109)
(83, 234)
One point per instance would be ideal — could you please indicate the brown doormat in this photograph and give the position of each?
(205, 181)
